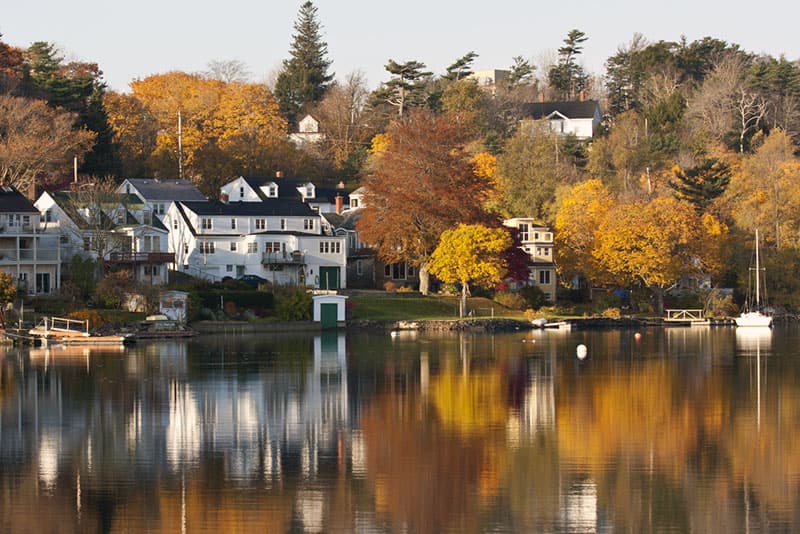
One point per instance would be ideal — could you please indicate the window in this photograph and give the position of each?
(175, 223)
(205, 224)
(547, 252)
(272, 247)
(308, 224)
(539, 251)
(524, 231)
(252, 248)
(151, 270)
(233, 246)
(273, 191)
(309, 191)
(207, 247)
(241, 192)
(548, 236)
(544, 277)
(148, 244)
(283, 224)
(233, 224)
(330, 247)
(261, 224)
(353, 202)
(359, 268)
(395, 271)
(186, 248)
(229, 268)
(536, 236)
(48, 216)
(160, 209)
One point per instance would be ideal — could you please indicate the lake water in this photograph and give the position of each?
(682, 430)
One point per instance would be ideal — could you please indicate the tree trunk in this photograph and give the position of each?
(424, 279)
(462, 305)
(659, 300)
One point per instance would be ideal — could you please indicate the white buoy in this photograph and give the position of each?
(581, 351)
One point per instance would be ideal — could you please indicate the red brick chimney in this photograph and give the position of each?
(278, 174)
(339, 204)
(223, 197)
(541, 96)
(582, 95)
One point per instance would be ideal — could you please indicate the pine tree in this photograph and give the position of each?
(304, 77)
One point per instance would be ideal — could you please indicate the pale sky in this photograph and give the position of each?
(147, 37)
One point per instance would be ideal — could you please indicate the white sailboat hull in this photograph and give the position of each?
(754, 318)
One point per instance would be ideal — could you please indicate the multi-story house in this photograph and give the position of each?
(250, 189)
(536, 240)
(118, 228)
(157, 194)
(29, 249)
(277, 239)
(580, 118)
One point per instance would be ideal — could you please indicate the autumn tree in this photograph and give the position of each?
(468, 254)
(764, 194)
(422, 184)
(135, 132)
(581, 212)
(37, 141)
(529, 171)
(304, 77)
(656, 243)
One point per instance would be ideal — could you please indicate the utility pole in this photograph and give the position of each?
(180, 147)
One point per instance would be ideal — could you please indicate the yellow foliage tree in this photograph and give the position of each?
(658, 242)
(581, 212)
(468, 254)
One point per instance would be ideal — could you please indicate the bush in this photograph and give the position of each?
(530, 314)
(449, 289)
(93, 316)
(293, 304)
(533, 296)
(611, 313)
(513, 301)
(389, 286)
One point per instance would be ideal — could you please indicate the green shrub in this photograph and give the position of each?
(292, 304)
(510, 300)
(533, 296)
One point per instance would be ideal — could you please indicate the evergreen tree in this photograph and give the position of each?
(304, 77)
(461, 68)
(567, 77)
(701, 184)
(406, 88)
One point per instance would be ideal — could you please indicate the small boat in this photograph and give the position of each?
(754, 317)
(73, 332)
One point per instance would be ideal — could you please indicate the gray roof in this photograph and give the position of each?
(287, 189)
(571, 110)
(153, 189)
(12, 201)
(269, 206)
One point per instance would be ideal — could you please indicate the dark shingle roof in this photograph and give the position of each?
(12, 201)
(344, 221)
(287, 189)
(270, 206)
(166, 190)
(571, 110)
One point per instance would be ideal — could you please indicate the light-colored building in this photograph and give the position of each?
(580, 119)
(29, 248)
(536, 240)
(276, 239)
(157, 194)
(122, 230)
(307, 132)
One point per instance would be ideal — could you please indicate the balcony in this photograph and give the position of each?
(28, 255)
(279, 258)
(141, 257)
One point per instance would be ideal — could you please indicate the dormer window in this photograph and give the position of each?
(309, 191)
(353, 202)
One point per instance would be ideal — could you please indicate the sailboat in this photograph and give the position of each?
(754, 317)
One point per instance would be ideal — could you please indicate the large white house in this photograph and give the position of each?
(29, 249)
(277, 239)
(117, 227)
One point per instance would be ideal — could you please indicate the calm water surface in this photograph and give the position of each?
(683, 430)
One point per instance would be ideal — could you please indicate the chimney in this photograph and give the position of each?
(541, 97)
(339, 204)
(582, 95)
(223, 197)
(340, 185)
(278, 174)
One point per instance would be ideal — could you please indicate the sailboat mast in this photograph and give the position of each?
(758, 279)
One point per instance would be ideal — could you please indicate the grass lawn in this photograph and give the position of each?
(409, 307)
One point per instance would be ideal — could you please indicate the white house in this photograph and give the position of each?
(257, 189)
(157, 194)
(536, 240)
(29, 250)
(580, 119)
(277, 239)
(121, 230)
(307, 132)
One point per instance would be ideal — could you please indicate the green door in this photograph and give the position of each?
(329, 278)
(329, 315)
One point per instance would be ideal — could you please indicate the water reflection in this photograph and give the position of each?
(674, 429)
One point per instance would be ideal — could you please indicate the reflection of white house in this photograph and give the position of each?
(580, 119)
(29, 249)
(276, 239)
(537, 241)
(307, 132)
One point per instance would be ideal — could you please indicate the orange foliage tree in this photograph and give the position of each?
(423, 184)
